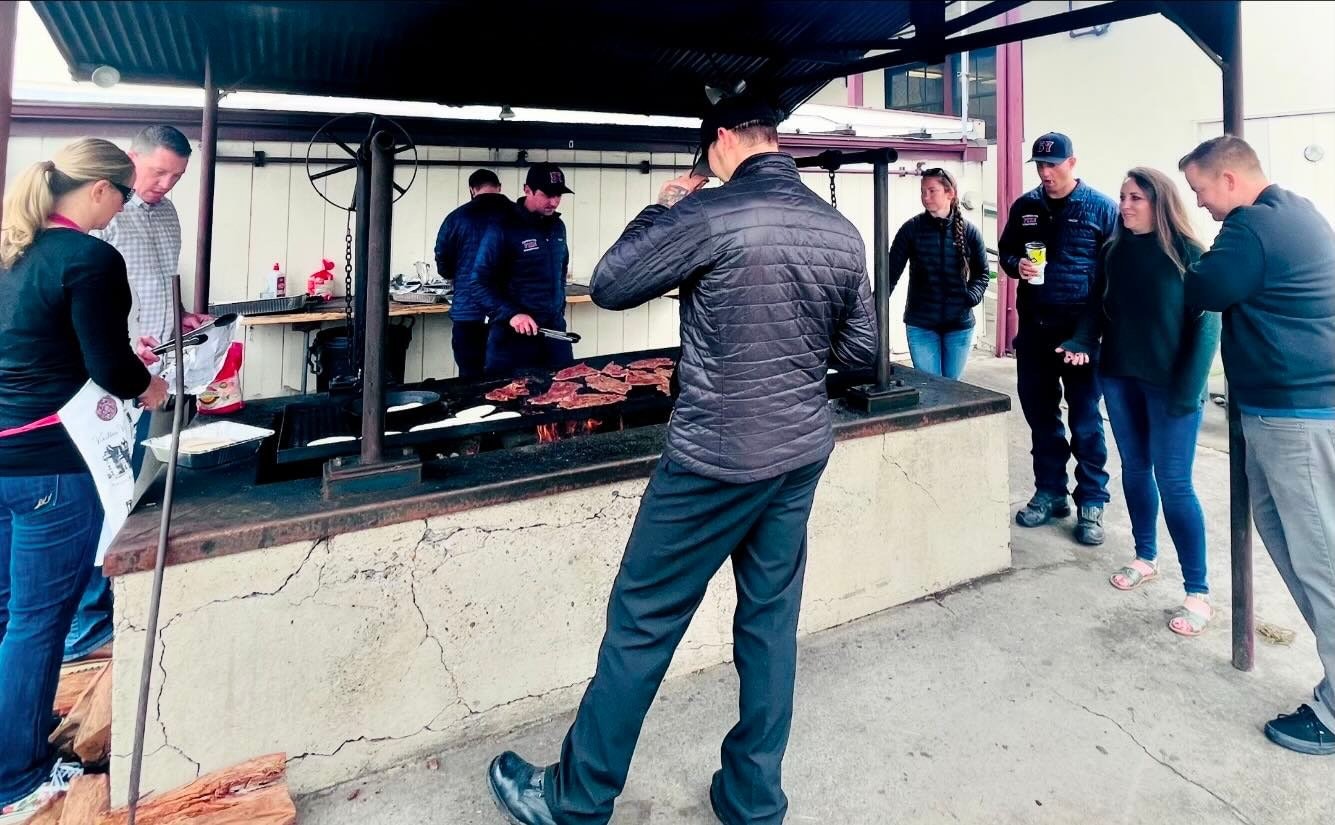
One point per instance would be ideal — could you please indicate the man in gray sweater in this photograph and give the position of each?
(1271, 272)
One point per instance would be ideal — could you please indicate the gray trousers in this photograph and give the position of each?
(1291, 470)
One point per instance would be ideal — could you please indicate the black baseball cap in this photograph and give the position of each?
(548, 178)
(1054, 147)
(730, 113)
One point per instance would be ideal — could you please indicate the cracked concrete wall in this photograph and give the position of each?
(362, 650)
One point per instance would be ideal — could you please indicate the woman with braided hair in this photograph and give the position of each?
(948, 277)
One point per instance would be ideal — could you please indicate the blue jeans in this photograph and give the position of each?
(92, 626)
(940, 353)
(49, 527)
(1158, 450)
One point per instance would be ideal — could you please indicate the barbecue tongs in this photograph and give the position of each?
(570, 337)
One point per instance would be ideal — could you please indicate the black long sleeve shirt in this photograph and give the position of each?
(64, 309)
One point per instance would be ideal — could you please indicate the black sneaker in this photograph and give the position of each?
(1089, 527)
(1301, 731)
(1041, 509)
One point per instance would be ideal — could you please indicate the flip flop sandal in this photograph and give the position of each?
(1133, 575)
(1192, 622)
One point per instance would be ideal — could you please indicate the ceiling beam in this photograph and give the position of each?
(1111, 12)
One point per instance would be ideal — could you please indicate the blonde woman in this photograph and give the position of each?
(64, 305)
(1154, 361)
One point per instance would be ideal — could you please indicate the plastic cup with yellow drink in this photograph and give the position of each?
(1037, 253)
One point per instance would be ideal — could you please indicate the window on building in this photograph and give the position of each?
(935, 89)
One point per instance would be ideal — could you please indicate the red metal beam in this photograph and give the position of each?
(1010, 175)
(8, 34)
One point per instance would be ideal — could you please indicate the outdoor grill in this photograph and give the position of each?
(311, 418)
(314, 417)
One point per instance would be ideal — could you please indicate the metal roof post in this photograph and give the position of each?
(8, 34)
(208, 165)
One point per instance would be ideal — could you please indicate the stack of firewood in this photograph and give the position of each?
(252, 793)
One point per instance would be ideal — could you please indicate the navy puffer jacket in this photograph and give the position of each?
(1074, 237)
(457, 245)
(940, 299)
(521, 267)
(773, 284)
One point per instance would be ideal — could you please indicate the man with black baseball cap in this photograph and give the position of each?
(773, 287)
(521, 269)
(1065, 223)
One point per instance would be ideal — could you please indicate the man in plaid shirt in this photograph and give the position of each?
(147, 233)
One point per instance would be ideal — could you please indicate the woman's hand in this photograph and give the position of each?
(1072, 357)
(143, 348)
(155, 397)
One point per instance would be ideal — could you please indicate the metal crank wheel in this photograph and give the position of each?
(352, 134)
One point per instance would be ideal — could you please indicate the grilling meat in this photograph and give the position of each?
(603, 383)
(556, 392)
(588, 399)
(651, 363)
(511, 391)
(615, 370)
(642, 378)
(577, 371)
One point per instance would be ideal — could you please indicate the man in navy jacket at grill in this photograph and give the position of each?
(1073, 222)
(521, 270)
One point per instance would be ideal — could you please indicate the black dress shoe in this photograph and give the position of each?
(516, 786)
(713, 800)
(1041, 509)
(1301, 731)
(1089, 526)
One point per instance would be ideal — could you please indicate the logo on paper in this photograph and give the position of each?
(106, 408)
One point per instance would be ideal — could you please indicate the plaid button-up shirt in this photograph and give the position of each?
(148, 236)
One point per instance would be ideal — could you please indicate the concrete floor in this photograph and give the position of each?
(1038, 696)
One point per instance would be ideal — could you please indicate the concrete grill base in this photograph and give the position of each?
(357, 651)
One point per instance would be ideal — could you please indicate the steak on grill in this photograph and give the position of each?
(557, 391)
(511, 391)
(577, 371)
(604, 383)
(651, 363)
(642, 378)
(588, 399)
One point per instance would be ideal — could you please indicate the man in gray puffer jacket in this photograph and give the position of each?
(773, 287)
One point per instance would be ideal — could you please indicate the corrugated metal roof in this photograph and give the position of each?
(599, 55)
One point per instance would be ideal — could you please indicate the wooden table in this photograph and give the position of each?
(397, 309)
(308, 321)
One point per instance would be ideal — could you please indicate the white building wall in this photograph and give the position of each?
(269, 214)
(1145, 94)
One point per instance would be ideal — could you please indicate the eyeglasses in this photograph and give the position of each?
(127, 192)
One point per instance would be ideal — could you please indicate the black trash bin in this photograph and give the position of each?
(329, 355)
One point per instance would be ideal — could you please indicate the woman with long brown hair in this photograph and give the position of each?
(1154, 361)
(948, 277)
(64, 310)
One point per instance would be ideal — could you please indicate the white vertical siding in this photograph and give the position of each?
(271, 213)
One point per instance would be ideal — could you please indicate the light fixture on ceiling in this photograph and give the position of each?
(506, 113)
(104, 77)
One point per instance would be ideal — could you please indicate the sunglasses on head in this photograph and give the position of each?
(127, 192)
